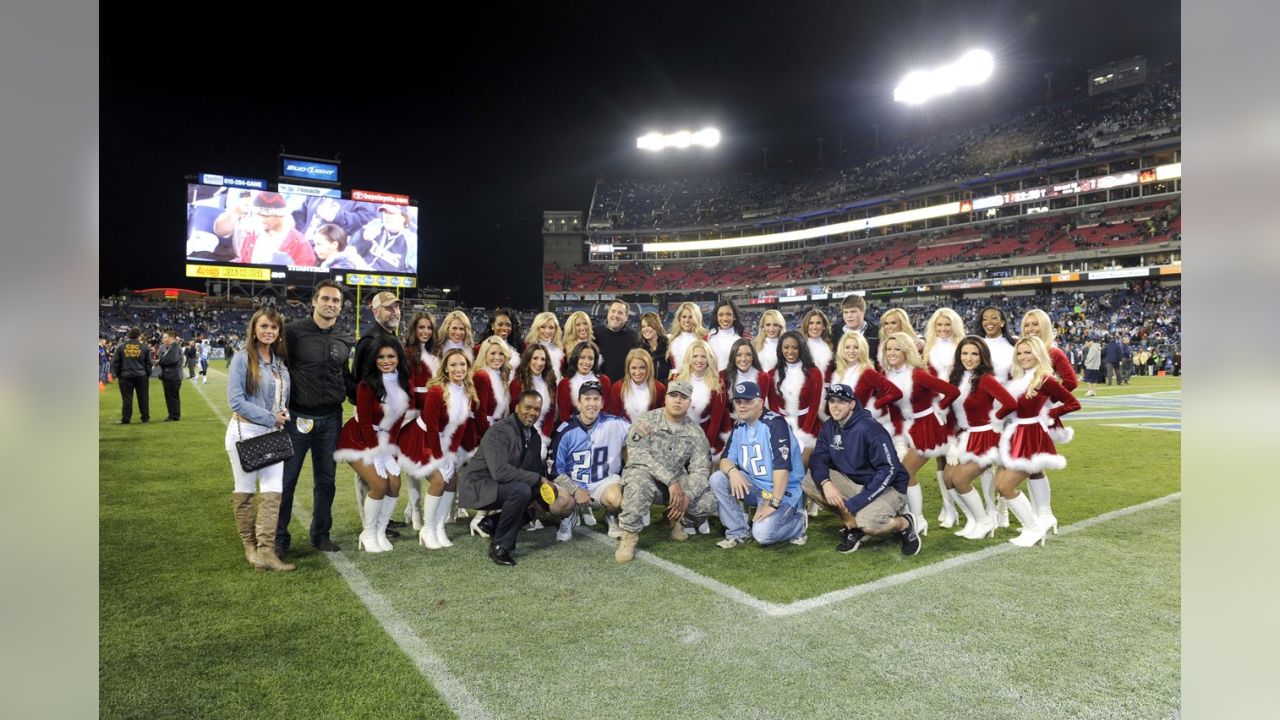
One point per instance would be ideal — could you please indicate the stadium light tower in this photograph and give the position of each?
(919, 86)
(680, 140)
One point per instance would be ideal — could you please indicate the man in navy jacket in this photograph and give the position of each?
(854, 472)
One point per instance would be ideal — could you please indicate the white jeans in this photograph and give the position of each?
(269, 479)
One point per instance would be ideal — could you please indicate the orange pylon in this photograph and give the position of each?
(102, 387)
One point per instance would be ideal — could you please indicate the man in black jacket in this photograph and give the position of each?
(386, 314)
(616, 339)
(854, 311)
(170, 362)
(132, 368)
(318, 370)
(505, 473)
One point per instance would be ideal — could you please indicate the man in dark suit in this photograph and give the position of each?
(854, 311)
(170, 362)
(505, 473)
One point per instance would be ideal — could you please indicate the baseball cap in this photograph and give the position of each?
(590, 386)
(384, 299)
(746, 390)
(680, 387)
(840, 392)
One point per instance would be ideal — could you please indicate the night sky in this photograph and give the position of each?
(494, 115)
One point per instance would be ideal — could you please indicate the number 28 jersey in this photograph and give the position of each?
(588, 454)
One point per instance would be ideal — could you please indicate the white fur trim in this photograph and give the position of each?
(418, 470)
(431, 361)
(636, 402)
(942, 356)
(501, 393)
(821, 353)
(768, 354)
(903, 380)
(984, 460)
(555, 356)
(1032, 465)
(678, 345)
(541, 386)
(701, 399)
(384, 449)
(721, 343)
(1061, 435)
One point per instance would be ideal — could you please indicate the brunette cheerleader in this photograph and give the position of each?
(728, 331)
(368, 439)
(440, 440)
(797, 390)
(914, 418)
(582, 359)
(423, 365)
(546, 332)
(653, 339)
(1025, 445)
(977, 442)
(817, 333)
(744, 368)
(536, 373)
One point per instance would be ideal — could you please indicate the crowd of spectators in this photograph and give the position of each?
(1068, 128)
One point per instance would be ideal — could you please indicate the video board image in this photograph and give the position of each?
(299, 232)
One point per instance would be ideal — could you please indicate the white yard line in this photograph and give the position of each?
(801, 606)
(429, 664)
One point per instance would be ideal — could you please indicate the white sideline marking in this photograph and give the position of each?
(801, 606)
(429, 664)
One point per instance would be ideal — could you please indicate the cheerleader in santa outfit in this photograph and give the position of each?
(583, 360)
(1025, 445)
(653, 339)
(977, 442)
(940, 335)
(457, 334)
(772, 325)
(536, 374)
(423, 365)
(686, 329)
(546, 332)
(368, 440)
(491, 374)
(914, 418)
(1036, 323)
(707, 405)
(640, 392)
(797, 390)
(440, 440)
(505, 325)
(817, 333)
(854, 368)
(728, 331)
(995, 333)
(744, 368)
(895, 320)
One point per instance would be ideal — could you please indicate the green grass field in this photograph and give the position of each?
(1087, 626)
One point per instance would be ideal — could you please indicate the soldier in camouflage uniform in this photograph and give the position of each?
(668, 462)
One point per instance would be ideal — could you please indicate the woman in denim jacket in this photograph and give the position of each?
(258, 392)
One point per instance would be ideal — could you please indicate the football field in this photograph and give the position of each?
(1086, 627)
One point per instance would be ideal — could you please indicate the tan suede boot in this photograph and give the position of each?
(268, 516)
(242, 505)
(626, 547)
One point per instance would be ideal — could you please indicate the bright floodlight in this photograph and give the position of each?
(973, 68)
(683, 139)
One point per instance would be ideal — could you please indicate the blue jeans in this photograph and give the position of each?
(785, 523)
(322, 441)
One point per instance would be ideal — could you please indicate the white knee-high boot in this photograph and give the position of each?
(413, 511)
(370, 511)
(980, 524)
(947, 515)
(960, 509)
(995, 506)
(1040, 499)
(915, 503)
(384, 516)
(442, 518)
(427, 536)
(1032, 532)
(362, 491)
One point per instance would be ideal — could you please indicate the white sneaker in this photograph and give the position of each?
(536, 524)
(803, 537)
(615, 530)
(704, 528)
(646, 520)
(565, 532)
(588, 517)
(730, 543)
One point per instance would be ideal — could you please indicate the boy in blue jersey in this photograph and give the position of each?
(854, 472)
(585, 460)
(762, 466)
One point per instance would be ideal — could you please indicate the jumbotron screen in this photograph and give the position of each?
(302, 233)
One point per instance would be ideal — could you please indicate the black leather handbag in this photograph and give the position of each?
(266, 449)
